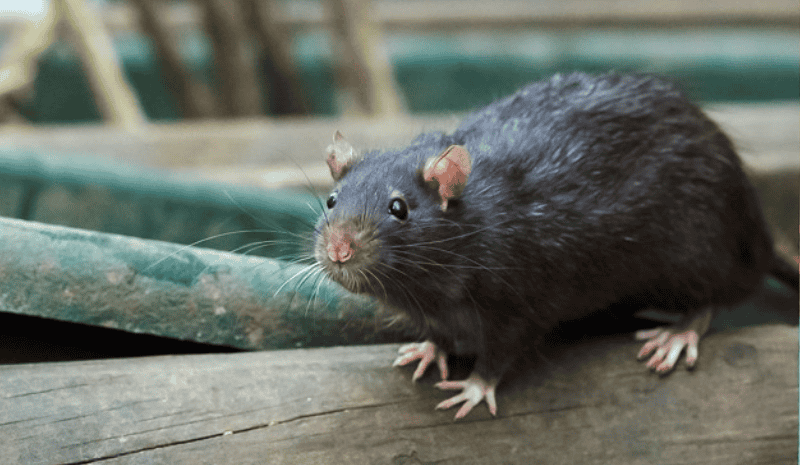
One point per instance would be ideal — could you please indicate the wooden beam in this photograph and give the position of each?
(193, 96)
(113, 95)
(30, 38)
(364, 72)
(286, 96)
(235, 69)
(553, 14)
(591, 402)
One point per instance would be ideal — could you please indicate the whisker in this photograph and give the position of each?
(311, 273)
(313, 297)
(196, 243)
(264, 221)
(304, 270)
(378, 280)
(309, 185)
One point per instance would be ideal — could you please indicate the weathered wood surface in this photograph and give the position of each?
(592, 403)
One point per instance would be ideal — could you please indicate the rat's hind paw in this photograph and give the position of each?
(425, 352)
(668, 348)
(474, 390)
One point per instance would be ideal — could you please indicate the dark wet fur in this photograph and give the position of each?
(586, 193)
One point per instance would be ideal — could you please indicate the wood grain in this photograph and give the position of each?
(436, 15)
(591, 403)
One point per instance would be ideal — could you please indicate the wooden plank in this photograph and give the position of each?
(590, 403)
(765, 132)
(433, 14)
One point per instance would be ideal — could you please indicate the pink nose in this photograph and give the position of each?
(340, 246)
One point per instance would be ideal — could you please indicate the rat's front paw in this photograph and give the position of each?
(426, 352)
(668, 348)
(474, 390)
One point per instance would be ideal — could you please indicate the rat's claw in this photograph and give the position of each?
(668, 348)
(425, 352)
(474, 390)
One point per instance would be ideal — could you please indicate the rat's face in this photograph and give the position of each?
(386, 227)
(360, 236)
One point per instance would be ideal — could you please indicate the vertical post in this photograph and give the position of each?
(363, 67)
(113, 95)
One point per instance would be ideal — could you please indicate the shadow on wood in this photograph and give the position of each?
(593, 403)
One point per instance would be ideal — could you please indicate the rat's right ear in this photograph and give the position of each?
(448, 173)
(341, 156)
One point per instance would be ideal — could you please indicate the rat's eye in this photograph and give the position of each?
(399, 209)
(331, 200)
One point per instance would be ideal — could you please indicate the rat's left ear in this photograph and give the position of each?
(448, 172)
(341, 156)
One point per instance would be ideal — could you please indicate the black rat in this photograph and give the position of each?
(573, 195)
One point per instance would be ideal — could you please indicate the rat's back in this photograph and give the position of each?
(621, 183)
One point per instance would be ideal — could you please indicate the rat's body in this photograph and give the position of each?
(571, 196)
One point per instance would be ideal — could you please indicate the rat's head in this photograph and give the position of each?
(385, 211)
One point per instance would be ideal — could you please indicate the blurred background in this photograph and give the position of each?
(241, 58)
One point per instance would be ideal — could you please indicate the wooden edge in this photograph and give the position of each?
(589, 403)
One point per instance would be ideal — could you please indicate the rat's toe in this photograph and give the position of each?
(474, 390)
(668, 348)
(426, 352)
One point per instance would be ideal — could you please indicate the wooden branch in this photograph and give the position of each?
(590, 403)
(113, 95)
(288, 97)
(19, 63)
(194, 98)
(235, 67)
(363, 69)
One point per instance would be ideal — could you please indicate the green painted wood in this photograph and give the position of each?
(183, 292)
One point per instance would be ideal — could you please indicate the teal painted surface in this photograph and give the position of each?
(440, 72)
(100, 195)
(187, 293)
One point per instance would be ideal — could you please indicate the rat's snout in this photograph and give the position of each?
(346, 249)
(341, 244)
